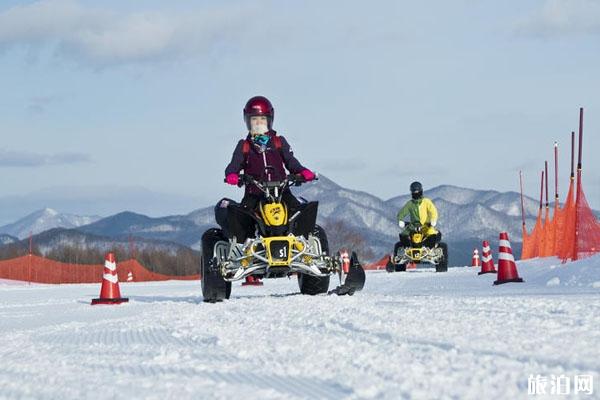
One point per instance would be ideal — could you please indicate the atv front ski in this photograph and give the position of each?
(354, 280)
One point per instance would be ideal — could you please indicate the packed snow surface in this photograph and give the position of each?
(416, 335)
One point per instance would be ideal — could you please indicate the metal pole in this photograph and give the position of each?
(522, 201)
(546, 172)
(580, 137)
(29, 258)
(572, 155)
(576, 250)
(555, 176)
(542, 192)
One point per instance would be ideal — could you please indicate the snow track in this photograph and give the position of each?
(407, 335)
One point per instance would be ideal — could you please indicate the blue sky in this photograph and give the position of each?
(149, 94)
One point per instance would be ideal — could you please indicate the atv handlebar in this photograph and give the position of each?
(290, 180)
(416, 226)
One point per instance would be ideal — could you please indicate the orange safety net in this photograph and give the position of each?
(556, 224)
(526, 249)
(542, 237)
(582, 233)
(566, 225)
(379, 264)
(547, 246)
(531, 242)
(32, 268)
(572, 233)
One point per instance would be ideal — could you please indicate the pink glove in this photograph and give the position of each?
(307, 174)
(232, 179)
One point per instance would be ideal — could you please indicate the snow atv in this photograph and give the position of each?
(282, 245)
(418, 252)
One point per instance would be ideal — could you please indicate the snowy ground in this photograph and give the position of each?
(407, 335)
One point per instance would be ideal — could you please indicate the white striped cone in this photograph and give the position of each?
(110, 293)
(507, 268)
(487, 262)
(130, 276)
(475, 260)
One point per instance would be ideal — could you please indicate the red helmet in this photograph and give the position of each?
(259, 105)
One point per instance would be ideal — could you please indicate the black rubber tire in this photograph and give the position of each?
(214, 287)
(401, 268)
(443, 265)
(313, 285)
(390, 267)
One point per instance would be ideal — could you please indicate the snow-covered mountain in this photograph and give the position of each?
(43, 220)
(182, 229)
(466, 217)
(60, 237)
(7, 239)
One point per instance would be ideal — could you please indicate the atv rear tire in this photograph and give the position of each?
(443, 265)
(214, 287)
(313, 285)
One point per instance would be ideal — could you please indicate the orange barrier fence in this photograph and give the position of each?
(573, 232)
(380, 264)
(32, 268)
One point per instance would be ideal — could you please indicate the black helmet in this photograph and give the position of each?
(416, 190)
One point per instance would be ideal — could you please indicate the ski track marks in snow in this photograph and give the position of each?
(407, 335)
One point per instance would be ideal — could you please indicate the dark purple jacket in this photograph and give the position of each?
(254, 162)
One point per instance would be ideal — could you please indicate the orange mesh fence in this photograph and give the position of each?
(557, 223)
(380, 264)
(567, 228)
(526, 250)
(547, 243)
(534, 238)
(37, 269)
(584, 236)
(573, 232)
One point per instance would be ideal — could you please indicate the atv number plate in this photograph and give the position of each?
(279, 250)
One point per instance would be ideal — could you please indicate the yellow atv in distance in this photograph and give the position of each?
(422, 250)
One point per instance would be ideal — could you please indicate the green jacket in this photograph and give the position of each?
(421, 211)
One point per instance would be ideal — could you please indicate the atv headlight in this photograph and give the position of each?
(298, 245)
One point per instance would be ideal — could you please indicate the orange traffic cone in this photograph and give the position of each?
(252, 281)
(110, 293)
(475, 261)
(487, 265)
(507, 268)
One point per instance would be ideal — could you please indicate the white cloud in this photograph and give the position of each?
(104, 37)
(563, 17)
(27, 159)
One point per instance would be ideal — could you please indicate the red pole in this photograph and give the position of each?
(522, 201)
(546, 169)
(555, 176)
(30, 253)
(542, 191)
(572, 155)
(576, 250)
(580, 137)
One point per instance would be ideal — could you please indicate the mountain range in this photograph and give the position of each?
(43, 220)
(466, 217)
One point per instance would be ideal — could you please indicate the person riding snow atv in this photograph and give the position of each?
(270, 233)
(420, 241)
